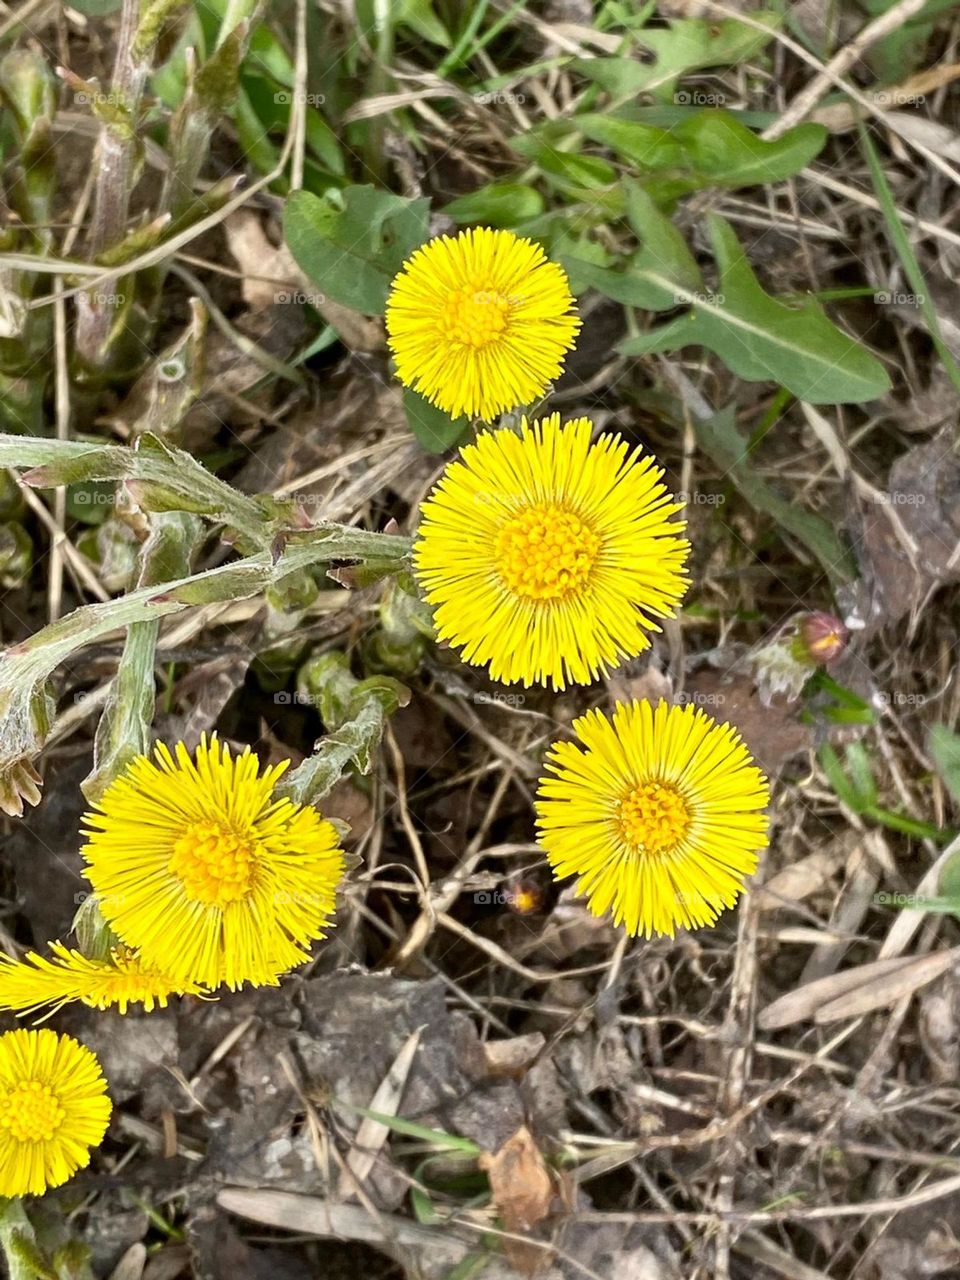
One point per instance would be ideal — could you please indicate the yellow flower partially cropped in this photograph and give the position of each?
(53, 1109)
(206, 875)
(548, 557)
(37, 981)
(658, 812)
(479, 323)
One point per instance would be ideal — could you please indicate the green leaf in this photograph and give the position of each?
(354, 713)
(570, 170)
(760, 338)
(272, 107)
(908, 259)
(945, 749)
(686, 44)
(433, 428)
(846, 793)
(663, 253)
(500, 204)
(722, 442)
(858, 764)
(709, 148)
(419, 16)
(410, 1129)
(352, 243)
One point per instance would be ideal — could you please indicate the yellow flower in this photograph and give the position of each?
(658, 812)
(53, 1109)
(36, 981)
(479, 323)
(202, 872)
(548, 557)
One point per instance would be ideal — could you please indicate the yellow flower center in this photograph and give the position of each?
(31, 1112)
(215, 864)
(475, 315)
(545, 552)
(653, 817)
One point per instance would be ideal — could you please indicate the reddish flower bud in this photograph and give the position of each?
(824, 637)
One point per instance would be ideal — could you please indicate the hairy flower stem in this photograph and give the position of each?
(99, 315)
(24, 668)
(24, 1257)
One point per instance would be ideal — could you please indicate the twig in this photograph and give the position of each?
(841, 62)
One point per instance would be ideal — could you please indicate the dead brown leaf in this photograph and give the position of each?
(773, 733)
(270, 276)
(522, 1190)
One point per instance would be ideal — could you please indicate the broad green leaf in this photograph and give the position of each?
(725, 446)
(589, 172)
(579, 256)
(720, 147)
(709, 148)
(687, 44)
(352, 247)
(760, 338)
(433, 428)
(945, 749)
(645, 145)
(500, 204)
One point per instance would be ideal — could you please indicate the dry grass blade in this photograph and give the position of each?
(372, 1134)
(885, 989)
(311, 1215)
(804, 1003)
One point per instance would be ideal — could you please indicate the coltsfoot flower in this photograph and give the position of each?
(208, 877)
(479, 323)
(66, 975)
(53, 1109)
(548, 557)
(658, 812)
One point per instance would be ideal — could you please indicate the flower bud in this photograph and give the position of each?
(823, 637)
